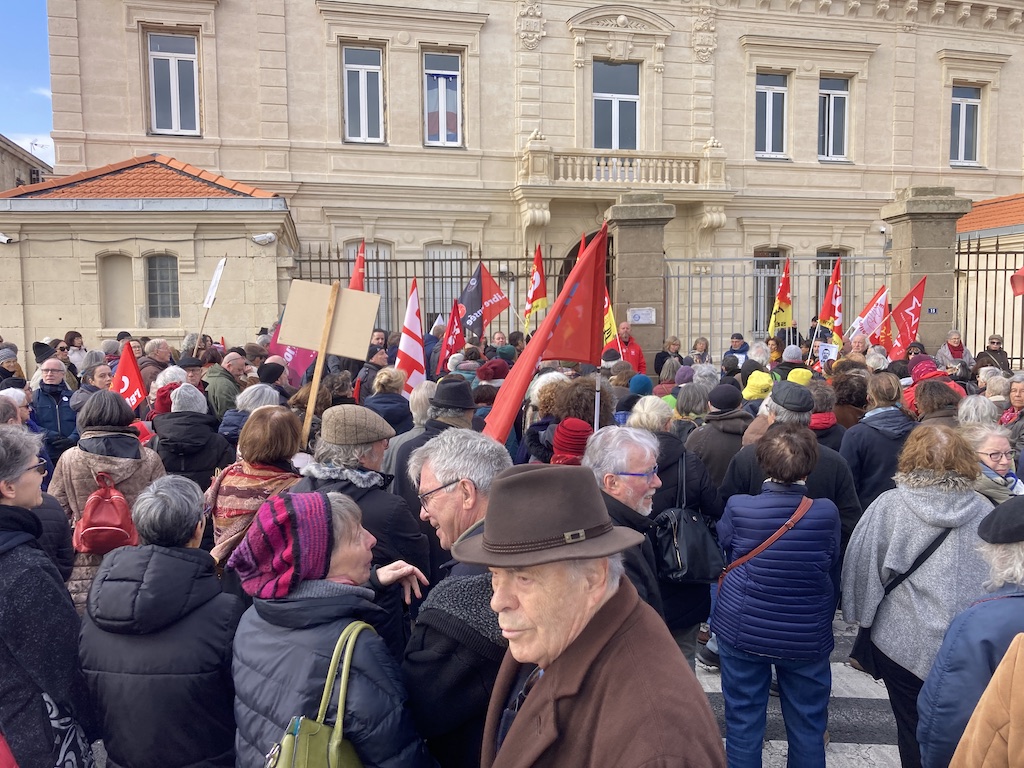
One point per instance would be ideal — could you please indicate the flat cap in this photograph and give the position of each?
(353, 425)
(792, 397)
(1005, 523)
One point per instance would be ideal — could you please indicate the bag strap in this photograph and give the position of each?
(800, 511)
(339, 728)
(936, 542)
(681, 483)
(345, 646)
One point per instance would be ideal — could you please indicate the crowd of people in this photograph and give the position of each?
(174, 578)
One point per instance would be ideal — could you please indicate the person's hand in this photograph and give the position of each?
(409, 576)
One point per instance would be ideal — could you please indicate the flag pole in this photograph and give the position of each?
(211, 297)
(318, 367)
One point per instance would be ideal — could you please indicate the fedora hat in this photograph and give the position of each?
(543, 514)
(453, 392)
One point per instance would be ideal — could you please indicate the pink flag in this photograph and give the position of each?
(410, 347)
(871, 317)
(298, 359)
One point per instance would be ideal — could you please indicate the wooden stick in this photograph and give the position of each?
(318, 368)
(202, 327)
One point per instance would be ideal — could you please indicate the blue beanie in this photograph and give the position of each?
(641, 384)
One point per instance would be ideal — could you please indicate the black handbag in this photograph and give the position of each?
(863, 650)
(685, 548)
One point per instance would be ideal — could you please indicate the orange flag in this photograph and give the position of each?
(537, 293)
(357, 280)
(128, 380)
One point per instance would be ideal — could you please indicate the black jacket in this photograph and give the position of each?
(281, 654)
(641, 567)
(830, 437)
(55, 539)
(188, 445)
(156, 652)
(872, 449)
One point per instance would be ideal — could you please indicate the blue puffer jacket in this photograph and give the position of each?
(779, 603)
(282, 651)
(975, 643)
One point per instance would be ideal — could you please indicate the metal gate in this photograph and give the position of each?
(984, 302)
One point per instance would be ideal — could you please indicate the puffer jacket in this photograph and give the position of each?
(156, 653)
(872, 448)
(282, 652)
(718, 439)
(231, 425)
(188, 445)
(781, 602)
(55, 540)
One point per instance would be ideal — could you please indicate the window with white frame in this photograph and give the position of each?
(364, 94)
(162, 287)
(770, 117)
(445, 272)
(174, 84)
(616, 105)
(442, 99)
(377, 279)
(965, 124)
(833, 100)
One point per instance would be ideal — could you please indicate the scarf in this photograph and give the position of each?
(820, 421)
(957, 353)
(1010, 415)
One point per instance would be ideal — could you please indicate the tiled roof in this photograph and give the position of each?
(152, 176)
(993, 214)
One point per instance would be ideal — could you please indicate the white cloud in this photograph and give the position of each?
(40, 145)
(44, 92)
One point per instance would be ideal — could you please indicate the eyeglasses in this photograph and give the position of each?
(913, 352)
(997, 456)
(646, 475)
(62, 348)
(51, 370)
(39, 467)
(994, 343)
(424, 496)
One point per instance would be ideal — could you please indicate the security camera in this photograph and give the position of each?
(5, 239)
(267, 238)
(881, 230)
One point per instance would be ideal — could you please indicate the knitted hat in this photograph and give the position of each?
(269, 373)
(916, 345)
(609, 357)
(455, 361)
(353, 425)
(372, 352)
(289, 541)
(801, 376)
(13, 382)
(42, 351)
(162, 403)
(7, 354)
(507, 352)
(920, 366)
(492, 369)
(187, 398)
(570, 439)
(641, 384)
(759, 386)
(792, 354)
(724, 398)
(684, 375)
(792, 397)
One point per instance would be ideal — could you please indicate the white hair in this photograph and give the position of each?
(608, 450)
(171, 374)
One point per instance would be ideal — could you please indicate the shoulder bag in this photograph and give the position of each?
(862, 651)
(310, 743)
(800, 511)
(686, 549)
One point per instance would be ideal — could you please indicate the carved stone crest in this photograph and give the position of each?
(705, 39)
(530, 25)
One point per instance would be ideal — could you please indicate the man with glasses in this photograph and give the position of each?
(993, 355)
(51, 405)
(156, 359)
(624, 462)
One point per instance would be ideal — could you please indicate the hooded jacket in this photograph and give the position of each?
(188, 445)
(872, 448)
(393, 408)
(55, 539)
(156, 653)
(718, 439)
(222, 389)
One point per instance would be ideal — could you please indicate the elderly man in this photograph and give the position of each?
(156, 359)
(592, 676)
(993, 355)
(624, 462)
(456, 647)
(51, 407)
(347, 460)
(222, 383)
(376, 358)
(628, 347)
(193, 368)
(860, 344)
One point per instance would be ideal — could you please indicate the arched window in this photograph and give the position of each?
(162, 287)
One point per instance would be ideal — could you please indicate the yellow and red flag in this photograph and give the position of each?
(537, 293)
(782, 312)
(831, 315)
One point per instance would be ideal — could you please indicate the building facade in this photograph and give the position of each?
(439, 130)
(19, 167)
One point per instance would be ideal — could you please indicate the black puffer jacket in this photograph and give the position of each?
(55, 539)
(156, 652)
(188, 445)
(282, 652)
(641, 566)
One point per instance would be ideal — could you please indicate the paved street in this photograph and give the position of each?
(860, 722)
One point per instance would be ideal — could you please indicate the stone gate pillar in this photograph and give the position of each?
(637, 222)
(922, 223)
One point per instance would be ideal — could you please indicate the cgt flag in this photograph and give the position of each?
(481, 301)
(610, 329)
(870, 318)
(410, 347)
(537, 293)
(782, 312)
(358, 279)
(831, 315)
(907, 317)
(128, 380)
(453, 341)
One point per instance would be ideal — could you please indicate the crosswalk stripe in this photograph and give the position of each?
(847, 682)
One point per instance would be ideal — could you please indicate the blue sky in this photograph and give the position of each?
(26, 115)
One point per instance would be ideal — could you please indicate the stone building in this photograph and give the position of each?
(19, 167)
(439, 130)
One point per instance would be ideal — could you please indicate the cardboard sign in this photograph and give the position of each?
(304, 315)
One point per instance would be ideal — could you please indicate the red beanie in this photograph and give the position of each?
(570, 439)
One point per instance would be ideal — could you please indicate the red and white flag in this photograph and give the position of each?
(870, 318)
(831, 315)
(357, 281)
(128, 379)
(410, 346)
(537, 293)
(454, 339)
(1017, 282)
(907, 316)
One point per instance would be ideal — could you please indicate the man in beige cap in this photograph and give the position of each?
(592, 676)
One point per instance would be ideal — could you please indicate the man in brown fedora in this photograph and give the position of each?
(592, 676)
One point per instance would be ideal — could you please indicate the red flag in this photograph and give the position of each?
(870, 318)
(356, 282)
(572, 330)
(453, 341)
(537, 293)
(583, 246)
(1017, 282)
(831, 315)
(410, 347)
(907, 317)
(128, 380)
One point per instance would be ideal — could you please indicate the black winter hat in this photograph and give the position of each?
(1005, 523)
(42, 351)
(269, 373)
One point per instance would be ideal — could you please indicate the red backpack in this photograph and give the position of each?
(106, 522)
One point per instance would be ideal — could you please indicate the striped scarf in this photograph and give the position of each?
(234, 497)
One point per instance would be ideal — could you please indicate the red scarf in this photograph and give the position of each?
(956, 352)
(820, 421)
(1009, 416)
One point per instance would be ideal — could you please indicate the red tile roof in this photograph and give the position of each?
(993, 214)
(152, 176)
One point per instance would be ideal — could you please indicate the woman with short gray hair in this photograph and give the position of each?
(997, 481)
(251, 398)
(156, 638)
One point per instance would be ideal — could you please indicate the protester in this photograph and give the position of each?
(669, 351)
(187, 440)
(720, 437)
(94, 378)
(51, 409)
(251, 398)
(419, 403)
(387, 399)
(991, 443)
(299, 403)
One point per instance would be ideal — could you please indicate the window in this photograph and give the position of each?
(824, 261)
(442, 99)
(770, 131)
(833, 94)
(364, 94)
(379, 279)
(616, 105)
(964, 125)
(162, 287)
(445, 275)
(767, 273)
(173, 84)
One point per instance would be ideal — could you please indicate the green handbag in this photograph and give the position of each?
(309, 743)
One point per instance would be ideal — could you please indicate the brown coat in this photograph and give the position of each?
(620, 695)
(994, 737)
(74, 478)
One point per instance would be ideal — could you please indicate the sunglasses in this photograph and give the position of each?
(39, 467)
(913, 352)
(993, 343)
(62, 348)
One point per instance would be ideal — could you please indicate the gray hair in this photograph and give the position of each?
(19, 450)
(759, 353)
(264, 339)
(349, 456)
(988, 372)
(346, 519)
(650, 413)
(997, 387)
(187, 398)
(169, 375)
(953, 333)
(784, 416)
(669, 370)
(188, 344)
(880, 350)
(875, 361)
(616, 569)
(167, 512)
(110, 347)
(17, 395)
(1005, 563)
(153, 345)
(64, 368)
(93, 358)
(977, 409)
(457, 415)
(976, 434)
(458, 454)
(692, 398)
(706, 375)
(255, 396)
(8, 411)
(608, 449)
(419, 401)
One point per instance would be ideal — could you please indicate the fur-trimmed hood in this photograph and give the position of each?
(358, 476)
(940, 481)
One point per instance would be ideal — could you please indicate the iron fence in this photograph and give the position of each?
(984, 302)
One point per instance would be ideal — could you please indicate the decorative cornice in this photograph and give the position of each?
(619, 29)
